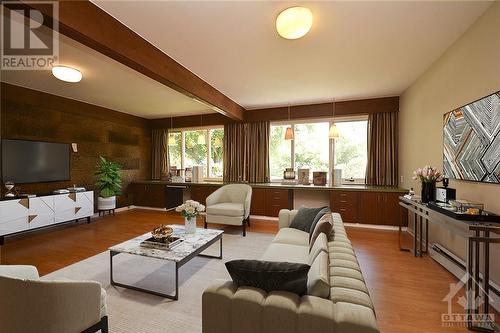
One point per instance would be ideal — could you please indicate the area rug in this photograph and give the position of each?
(133, 311)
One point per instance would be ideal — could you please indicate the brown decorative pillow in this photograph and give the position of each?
(324, 225)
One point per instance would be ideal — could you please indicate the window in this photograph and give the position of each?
(311, 148)
(202, 147)
(351, 150)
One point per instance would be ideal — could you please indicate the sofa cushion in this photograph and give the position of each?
(226, 209)
(292, 236)
(269, 276)
(305, 218)
(318, 217)
(287, 252)
(320, 245)
(324, 225)
(318, 281)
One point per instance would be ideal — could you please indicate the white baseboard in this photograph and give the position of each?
(371, 226)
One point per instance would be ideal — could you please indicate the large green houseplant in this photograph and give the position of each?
(108, 183)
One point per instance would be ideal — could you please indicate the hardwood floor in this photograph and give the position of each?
(407, 291)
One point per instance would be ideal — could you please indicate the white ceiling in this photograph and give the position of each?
(107, 83)
(354, 49)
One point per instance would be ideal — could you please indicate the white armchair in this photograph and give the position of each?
(230, 204)
(31, 305)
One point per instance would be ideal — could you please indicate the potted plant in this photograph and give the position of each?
(428, 176)
(109, 183)
(190, 209)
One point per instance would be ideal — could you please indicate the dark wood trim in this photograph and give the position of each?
(44, 100)
(367, 106)
(90, 25)
(324, 110)
(320, 110)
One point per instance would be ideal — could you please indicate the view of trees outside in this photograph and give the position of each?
(311, 146)
(216, 152)
(351, 149)
(175, 149)
(279, 151)
(196, 150)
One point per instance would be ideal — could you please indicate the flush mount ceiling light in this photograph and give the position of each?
(67, 74)
(294, 22)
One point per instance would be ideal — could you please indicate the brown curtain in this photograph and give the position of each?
(382, 167)
(159, 153)
(246, 152)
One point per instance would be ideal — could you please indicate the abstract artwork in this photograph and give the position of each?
(472, 141)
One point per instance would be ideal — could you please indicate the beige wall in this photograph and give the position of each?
(468, 70)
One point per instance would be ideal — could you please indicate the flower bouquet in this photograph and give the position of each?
(428, 176)
(190, 209)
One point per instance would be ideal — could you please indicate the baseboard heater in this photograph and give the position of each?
(457, 267)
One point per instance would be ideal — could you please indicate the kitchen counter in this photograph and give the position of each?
(354, 187)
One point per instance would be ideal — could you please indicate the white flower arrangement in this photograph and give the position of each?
(190, 209)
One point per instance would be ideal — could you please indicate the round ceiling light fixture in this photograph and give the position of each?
(68, 74)
(294, 22)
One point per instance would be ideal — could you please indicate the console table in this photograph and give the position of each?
(27, 214)
(477, 235)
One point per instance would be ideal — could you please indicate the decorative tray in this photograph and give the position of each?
(162, 243)
(484, 216)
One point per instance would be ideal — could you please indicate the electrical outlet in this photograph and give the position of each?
(401, 179)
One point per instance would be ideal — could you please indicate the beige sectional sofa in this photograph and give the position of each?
(346, 308)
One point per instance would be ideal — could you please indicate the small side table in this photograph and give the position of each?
(103, 212)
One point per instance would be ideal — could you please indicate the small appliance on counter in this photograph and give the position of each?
(445, 194)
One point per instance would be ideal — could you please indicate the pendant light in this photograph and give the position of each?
(333, 132)
(201, 138)
(171, 136)
(289, 135)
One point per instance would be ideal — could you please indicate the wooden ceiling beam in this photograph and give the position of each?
(89, 25)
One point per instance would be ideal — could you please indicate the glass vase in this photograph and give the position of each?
(190, 225)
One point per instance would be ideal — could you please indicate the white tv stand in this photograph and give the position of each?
(27, 214)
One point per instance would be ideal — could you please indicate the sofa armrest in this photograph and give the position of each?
(19, 272)
(285, 217)
(52, 306)
(229, 309)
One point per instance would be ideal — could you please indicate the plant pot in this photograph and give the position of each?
(106, 203)
(428, 192)
(190, 225)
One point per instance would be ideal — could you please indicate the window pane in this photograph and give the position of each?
(351, 149)
(216, 151)
(195, 149)
(279, 151)
(311, 146)
(174, 149)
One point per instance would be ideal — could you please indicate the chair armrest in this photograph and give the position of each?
(285, 217)
(53, 306)
(248, 202)
(215, 197)
(19, 272)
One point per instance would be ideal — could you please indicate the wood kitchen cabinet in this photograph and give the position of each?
(258, 204)
(380, 208)
(277, 199)
(347, 204)
(150, 195)
(200, 193)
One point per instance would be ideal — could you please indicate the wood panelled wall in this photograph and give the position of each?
(33, 115)
(311, 111)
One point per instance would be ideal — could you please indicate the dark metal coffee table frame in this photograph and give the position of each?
(178, 264)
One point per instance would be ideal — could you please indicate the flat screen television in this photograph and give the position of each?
(471, 143)
(35, 161)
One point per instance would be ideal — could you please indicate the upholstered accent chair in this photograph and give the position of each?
(230, 205)
(31, 305)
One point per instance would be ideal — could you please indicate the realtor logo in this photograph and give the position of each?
(451, 319)
(30, 37)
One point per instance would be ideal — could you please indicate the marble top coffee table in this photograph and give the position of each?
(193, 245)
